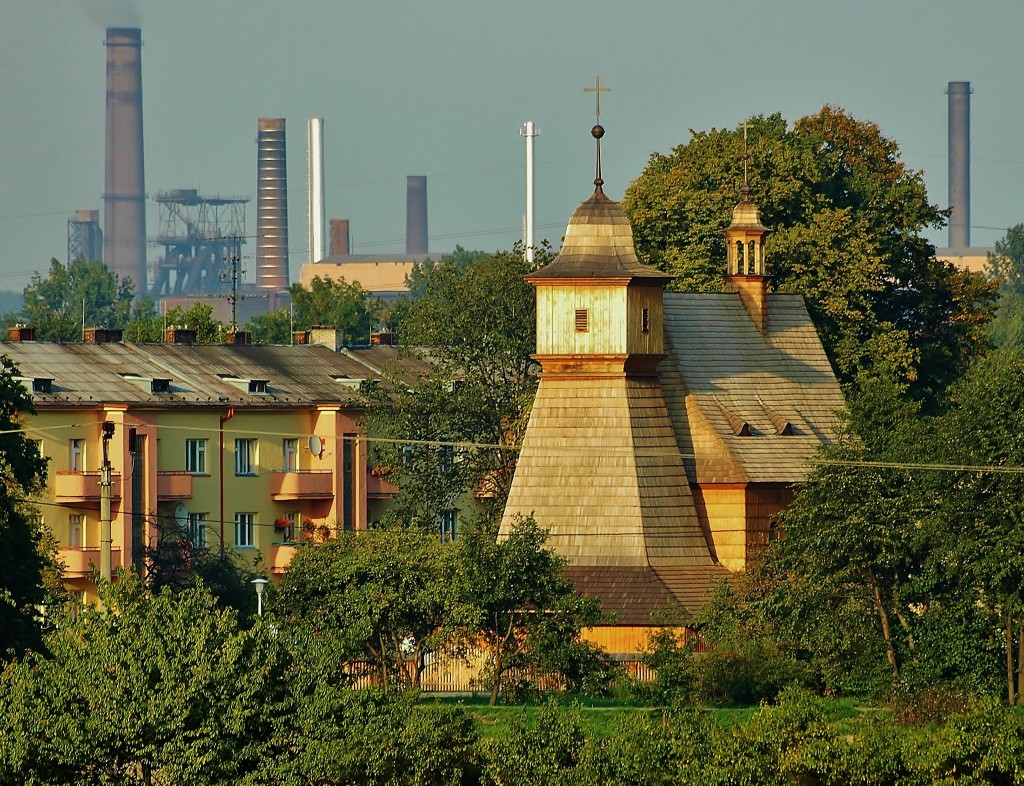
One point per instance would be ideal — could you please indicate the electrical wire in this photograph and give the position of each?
(606, 451)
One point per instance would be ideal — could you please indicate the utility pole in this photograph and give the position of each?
(105, 487)
(234, 297)
(529, 131)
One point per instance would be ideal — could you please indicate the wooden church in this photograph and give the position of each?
(668, 428)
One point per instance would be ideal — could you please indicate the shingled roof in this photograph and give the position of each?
(192, 376)
(721, 371)
(598, 243)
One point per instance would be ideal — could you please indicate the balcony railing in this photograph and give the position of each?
(173, 485)
(83, 486)
(281, 557)
(378, 488)
(81, 562)
(305, 484)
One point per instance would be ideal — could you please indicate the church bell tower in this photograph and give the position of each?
(600, 466)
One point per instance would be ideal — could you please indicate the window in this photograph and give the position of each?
(195, 456)
(76, 460)
(245, 530)
(291, 455)
(245, 457)
(197, 529)
(291, 532)
(645, 320)
(76, 531)
(449, 524)
(581, 320)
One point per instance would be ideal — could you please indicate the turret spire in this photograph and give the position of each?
(598, 130)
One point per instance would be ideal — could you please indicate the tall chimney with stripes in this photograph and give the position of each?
(416, 214)
(271, 205)
(124, 193)
(959, 164)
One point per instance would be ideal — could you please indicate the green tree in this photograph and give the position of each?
(146, 325)
(518, 606)
(174, 562)
(846, 216)
(160, 688)
(327, 302)
(472, 332)
(979, 530)
(57, 304)
(30, 579)
(378, 597)
(338, 737)
(1007, 265)
(854, 543)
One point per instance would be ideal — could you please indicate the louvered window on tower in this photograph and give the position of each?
(581, 320)
(645, 320)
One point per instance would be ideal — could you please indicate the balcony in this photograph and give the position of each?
(378, 488)
(308, 484)
(172, 486)
(79, 487)
(281, 557)
(82, 562)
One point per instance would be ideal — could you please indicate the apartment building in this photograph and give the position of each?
(249, 448)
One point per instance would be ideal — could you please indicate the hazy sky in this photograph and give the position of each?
(441, 88)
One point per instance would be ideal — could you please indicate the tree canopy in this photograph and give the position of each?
(846, 217)
(57, 304)
(29, 579)
(327, 302)
(1007, 265)
(472, 329)
(159, 688)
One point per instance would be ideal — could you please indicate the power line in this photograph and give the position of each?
(606, 451)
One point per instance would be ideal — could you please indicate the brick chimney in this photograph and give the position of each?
(177, 335)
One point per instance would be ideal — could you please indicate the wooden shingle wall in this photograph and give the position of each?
(600, 468)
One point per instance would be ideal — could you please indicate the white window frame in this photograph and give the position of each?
(77, 530)
(195, 528)
(195, 456)
(246, 457)
(290, 450)
(448, 522)
(245, 530)
(76, 455)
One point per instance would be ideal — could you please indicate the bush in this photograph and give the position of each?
(756, 672)
(671, 657)
(923, 706)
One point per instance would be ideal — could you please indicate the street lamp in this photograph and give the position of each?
(260, 584)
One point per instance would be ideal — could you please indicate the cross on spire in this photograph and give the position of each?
(746, 185)
(597, 90)
(598, 131)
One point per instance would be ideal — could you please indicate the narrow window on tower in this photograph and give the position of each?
(581, 320)
(645, 320)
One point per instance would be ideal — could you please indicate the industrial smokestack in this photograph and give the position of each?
(339, 237)
(416, 214)
(315, 161)
(271, 205)
(124, 196)
(959, 164)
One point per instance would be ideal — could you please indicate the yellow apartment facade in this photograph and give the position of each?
(248, 448)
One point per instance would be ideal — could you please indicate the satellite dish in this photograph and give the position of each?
(181, 514)
(316, 445)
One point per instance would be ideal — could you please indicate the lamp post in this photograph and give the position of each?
(260, 584)
(105, 484)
